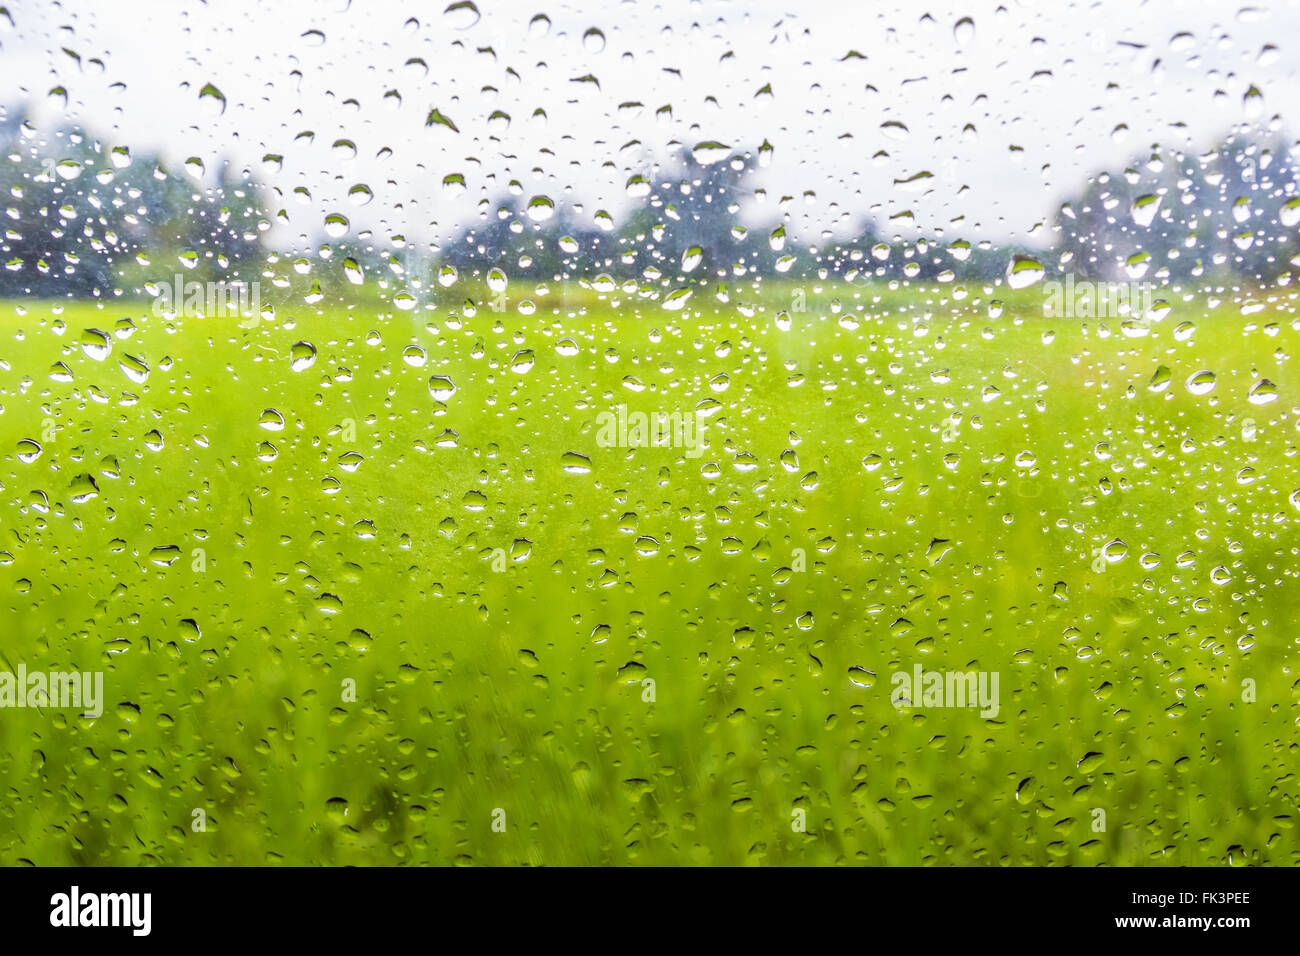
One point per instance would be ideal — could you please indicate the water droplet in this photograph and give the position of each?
(709, 152)
(541, 208)
(1145, 209)
(574, 463)
(1023, 271)
(674, 301)
(441, 388)
(213, 97)
(1202, 382)
(462, 14)
(1262, 393)
(96, 344)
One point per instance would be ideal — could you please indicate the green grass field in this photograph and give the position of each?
(839, 519)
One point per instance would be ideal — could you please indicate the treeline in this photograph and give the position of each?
(1228, 214)
(690, 226)
(85, 219)
(1231, 211)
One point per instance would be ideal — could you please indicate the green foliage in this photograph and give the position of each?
(523, 689)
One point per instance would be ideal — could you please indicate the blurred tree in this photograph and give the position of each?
(83, 219)
(1173, 215)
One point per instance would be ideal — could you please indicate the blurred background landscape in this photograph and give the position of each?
(366, 588)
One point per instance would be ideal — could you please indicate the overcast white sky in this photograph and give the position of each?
(1009, 115)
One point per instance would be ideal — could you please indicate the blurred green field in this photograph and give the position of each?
(961, 545)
